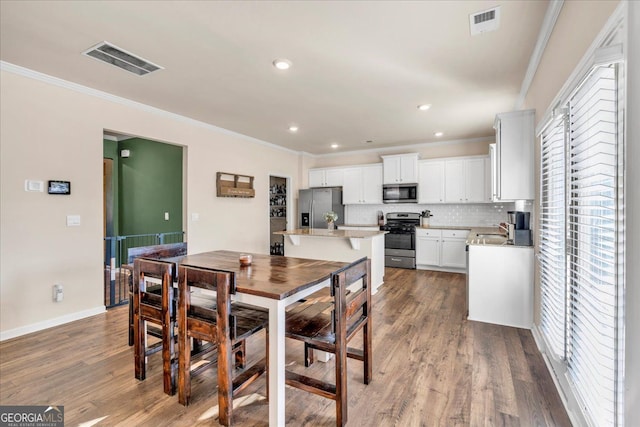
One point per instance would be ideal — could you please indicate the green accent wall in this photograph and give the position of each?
(150, 184)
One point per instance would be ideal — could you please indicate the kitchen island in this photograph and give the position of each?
(499, 280)
(338, 245)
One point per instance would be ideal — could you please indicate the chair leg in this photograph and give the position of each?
(184, 367)
(140, 362)
(266, 360)
(367, 347)
(308, 355)
(341, 387)
(131, 337)
(167, 356)
(225, 384)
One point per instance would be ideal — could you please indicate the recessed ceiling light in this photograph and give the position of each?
(293, 128)
(424, 107)
(334, 145)
(282, 64)
(438, 133)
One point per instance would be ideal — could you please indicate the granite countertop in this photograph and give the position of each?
(359, 225)
(323, 232)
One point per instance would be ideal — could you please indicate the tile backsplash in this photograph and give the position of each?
(481, 214)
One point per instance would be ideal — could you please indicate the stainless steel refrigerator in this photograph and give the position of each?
(315, 202)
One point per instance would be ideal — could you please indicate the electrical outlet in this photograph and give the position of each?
(57, 293)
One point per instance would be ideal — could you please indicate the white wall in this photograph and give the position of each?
(53, 132)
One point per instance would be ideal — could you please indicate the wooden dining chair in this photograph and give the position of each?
(154, 302)
(226, 324)
(153, 252)
(328, 324)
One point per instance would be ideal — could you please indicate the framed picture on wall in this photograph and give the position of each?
(59, 187)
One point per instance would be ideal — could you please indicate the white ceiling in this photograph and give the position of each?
(360, 68)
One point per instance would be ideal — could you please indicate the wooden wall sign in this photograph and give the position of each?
(234, 185)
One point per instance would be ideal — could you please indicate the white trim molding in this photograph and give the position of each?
(46, 324)
(548, 24)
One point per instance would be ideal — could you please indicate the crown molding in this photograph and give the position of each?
(55, 81)
(548, 24)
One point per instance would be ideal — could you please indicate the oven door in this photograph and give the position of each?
(404, 241)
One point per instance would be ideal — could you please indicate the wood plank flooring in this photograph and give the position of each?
(431, 368)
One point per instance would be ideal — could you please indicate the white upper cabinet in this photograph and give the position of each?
(400, 169)
(475, 180)
(362, 185)
(465, 181)
(431, 181)
(328, 177)
(454, 181)
(514, 152)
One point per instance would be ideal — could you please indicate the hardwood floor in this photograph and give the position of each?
(431, 368)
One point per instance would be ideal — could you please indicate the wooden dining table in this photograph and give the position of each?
(271, 282)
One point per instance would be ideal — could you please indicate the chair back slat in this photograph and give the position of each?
(157, 251)
(159, 270)
(349, 303)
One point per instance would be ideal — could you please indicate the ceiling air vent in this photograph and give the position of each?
(485, 21)
(122, 59)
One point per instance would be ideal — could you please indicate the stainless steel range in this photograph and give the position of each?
(400, 241)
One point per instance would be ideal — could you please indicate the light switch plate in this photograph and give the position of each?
(195, 216)
(73, 220)
(32, 185)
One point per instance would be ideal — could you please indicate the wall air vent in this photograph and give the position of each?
(485, 21)
(113, 55)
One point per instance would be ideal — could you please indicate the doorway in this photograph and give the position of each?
(278, 212)
(143, 203)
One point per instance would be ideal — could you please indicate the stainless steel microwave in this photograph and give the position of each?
(400, 193)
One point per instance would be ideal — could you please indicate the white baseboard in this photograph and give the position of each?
(34, 327)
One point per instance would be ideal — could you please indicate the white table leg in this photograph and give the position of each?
(277, 364)
(277, 374)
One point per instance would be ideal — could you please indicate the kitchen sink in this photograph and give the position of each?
(489, 235)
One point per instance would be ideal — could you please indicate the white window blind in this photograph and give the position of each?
(581, 239)
(592, 223)
(552, 237)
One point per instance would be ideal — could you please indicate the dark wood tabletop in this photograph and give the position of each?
(275, 277)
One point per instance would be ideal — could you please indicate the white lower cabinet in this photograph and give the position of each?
(441, 249)
(428, 247)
